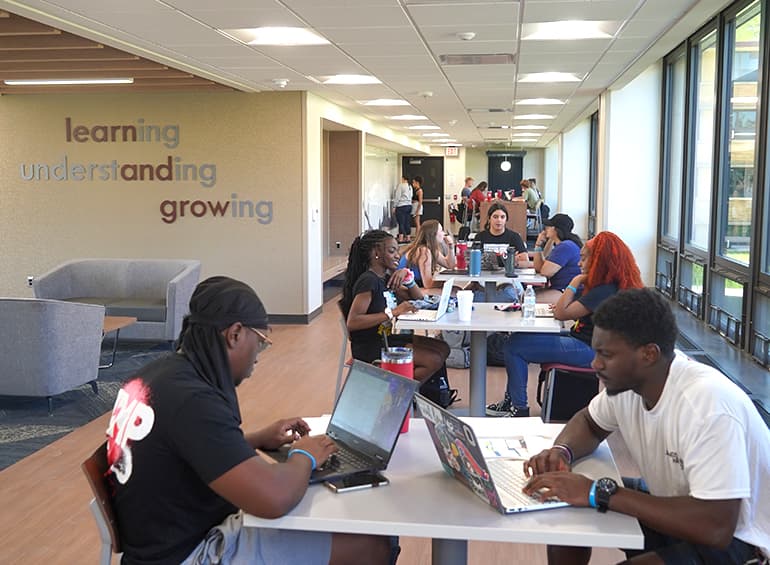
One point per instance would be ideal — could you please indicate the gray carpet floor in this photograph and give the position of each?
(26, 426)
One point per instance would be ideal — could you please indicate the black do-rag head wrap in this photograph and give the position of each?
(216, 304)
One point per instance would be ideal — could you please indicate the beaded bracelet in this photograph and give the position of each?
(538, 249)
(306, 454)
(566, 450)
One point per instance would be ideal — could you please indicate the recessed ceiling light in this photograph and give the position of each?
(549, 77)
(409, 117)
(533, 117)
(435, 135)
(384, 102)
(451, 144)
(568, 29)
(530, 127)
(278, 36)
(66, 81)
(530, 134)
(540, 102)
(423, 127)
(351, 79)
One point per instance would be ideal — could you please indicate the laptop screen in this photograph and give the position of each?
(371, 408)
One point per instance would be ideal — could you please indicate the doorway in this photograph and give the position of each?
(431, 169)
(505, 180)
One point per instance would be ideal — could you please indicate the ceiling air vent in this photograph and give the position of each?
(478, 59)
(491, 110)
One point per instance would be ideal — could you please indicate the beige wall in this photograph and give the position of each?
(254, 140)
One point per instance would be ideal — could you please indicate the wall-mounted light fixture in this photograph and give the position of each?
(505, 165)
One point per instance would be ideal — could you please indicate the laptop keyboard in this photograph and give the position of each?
(509, 480)
(345, 458)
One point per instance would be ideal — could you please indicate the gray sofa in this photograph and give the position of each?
(48, 347)
(155, 291)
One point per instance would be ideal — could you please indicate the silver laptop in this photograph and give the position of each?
(432, 315)
(496, 480)
(365, 423)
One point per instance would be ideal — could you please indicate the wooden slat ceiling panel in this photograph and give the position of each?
(30, 50)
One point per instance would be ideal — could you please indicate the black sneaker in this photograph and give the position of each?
(517, 412)
(500, 409)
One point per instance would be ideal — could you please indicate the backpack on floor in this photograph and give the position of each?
(495, 346)
(459, 343)
(437, 389)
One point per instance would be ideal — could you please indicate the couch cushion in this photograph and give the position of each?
(143, 309)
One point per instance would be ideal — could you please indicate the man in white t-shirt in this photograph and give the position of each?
(701, 446)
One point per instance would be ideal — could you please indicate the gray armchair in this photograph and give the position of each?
(48, 347)
(155, 291)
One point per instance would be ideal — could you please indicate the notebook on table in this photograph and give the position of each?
(496, 478)
(543, 311)
(432, 315)
(365, 423)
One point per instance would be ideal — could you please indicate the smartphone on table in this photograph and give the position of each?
(358, 481)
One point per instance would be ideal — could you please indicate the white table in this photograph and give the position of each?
(490, 279)
(484, 319)
(422, 501)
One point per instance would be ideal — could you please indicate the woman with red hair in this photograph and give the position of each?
(607, 266)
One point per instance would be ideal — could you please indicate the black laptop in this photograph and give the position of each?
(365, 423)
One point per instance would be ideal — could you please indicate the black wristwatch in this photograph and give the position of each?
(605, 488)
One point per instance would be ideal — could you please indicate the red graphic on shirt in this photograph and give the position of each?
(132, 419)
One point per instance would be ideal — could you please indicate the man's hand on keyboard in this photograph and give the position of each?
(571, 488)
(546, 461)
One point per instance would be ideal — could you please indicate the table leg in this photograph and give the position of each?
(478, 374)
(114, 350)
(449, 552)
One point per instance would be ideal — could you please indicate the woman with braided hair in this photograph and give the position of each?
(607, 266)
(372, 274)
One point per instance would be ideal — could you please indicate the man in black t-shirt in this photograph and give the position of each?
(181, 466)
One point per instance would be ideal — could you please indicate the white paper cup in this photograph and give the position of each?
(464, 305)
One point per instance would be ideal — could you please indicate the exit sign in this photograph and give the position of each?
(451, 151)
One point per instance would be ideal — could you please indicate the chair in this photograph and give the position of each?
(344, 362)
(95, 469)
(48, 347)
(535, 220)
(563, 390)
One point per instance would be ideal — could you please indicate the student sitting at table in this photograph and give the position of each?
(372, 274)
(426, 255)
(607, 266)
(183, 471)
(556, 256)
(497, 237)
(700, 445)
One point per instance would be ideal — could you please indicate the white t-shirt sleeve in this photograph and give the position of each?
(601, 410)
(715, 462)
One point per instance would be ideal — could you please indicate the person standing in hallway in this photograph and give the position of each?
(699, 442)
(417, 194)
(402, 203)
(465, 192)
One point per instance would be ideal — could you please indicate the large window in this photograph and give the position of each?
(676, 78)
(737, 189)
(699, 201)
(716, 156)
